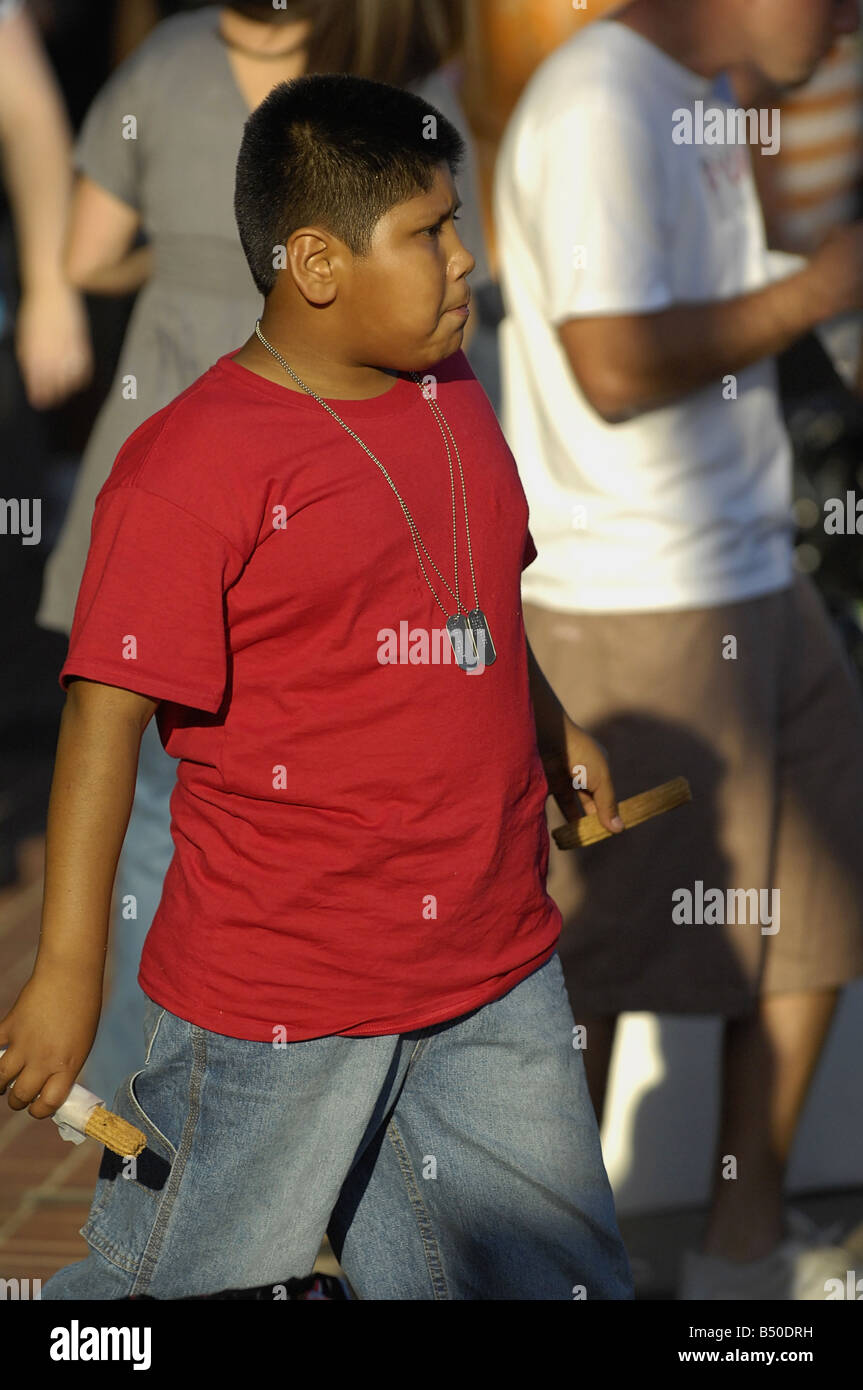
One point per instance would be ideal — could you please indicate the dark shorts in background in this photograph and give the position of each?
(772, 745)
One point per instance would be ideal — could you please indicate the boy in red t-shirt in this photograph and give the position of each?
(358, 1022)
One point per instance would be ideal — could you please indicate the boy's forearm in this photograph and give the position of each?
(549, 714)
(88, 812)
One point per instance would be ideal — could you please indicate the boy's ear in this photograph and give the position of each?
(311, 260)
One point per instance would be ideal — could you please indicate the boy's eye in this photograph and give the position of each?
(433, 231)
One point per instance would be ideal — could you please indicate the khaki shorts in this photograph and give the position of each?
(772, 744)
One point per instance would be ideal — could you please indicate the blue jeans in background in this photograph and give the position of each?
(147, 852)
(459, 1161)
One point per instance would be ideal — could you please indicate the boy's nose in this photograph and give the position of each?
(467, 258)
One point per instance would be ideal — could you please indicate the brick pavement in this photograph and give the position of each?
(46, 1183)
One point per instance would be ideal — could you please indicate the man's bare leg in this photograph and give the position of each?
(769, 1060)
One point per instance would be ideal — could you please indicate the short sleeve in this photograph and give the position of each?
(108, 145)
(529, 551)
(601, 217)
(150, 615)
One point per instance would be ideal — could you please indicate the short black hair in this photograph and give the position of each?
(337, 151)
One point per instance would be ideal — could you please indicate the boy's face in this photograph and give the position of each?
(398, 301)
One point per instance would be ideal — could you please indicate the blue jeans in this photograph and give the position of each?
(458, 1161)
(146, 854)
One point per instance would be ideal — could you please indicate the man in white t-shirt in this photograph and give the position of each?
(644, 313)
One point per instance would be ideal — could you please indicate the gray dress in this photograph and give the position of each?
(200, 302)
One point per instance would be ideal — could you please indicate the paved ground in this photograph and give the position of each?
(46, 1184)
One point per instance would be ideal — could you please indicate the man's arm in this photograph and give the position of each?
(627, 364)
(565, 748)
(52, 341)
(50, 1029)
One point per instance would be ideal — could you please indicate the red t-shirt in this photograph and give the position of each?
(360, 845)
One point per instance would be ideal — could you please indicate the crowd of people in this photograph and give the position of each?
(667, 332)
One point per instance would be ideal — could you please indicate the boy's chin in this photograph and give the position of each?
(452, 344)
(435, 351)
(456, 333)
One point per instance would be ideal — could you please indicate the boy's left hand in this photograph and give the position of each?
(583, 759)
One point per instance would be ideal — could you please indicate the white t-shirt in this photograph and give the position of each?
(598, 211)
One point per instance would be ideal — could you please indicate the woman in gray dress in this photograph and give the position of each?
(157, 153)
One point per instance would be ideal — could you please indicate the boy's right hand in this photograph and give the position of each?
(47, 1035)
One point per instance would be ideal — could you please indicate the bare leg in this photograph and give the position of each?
(599, 1039)
(769, 1059)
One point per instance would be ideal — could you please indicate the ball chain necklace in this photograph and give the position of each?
(468, 632)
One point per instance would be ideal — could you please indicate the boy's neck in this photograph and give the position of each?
(328, 379)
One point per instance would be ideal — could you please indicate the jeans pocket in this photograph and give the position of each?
(130, 1191)
(137, 1091)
